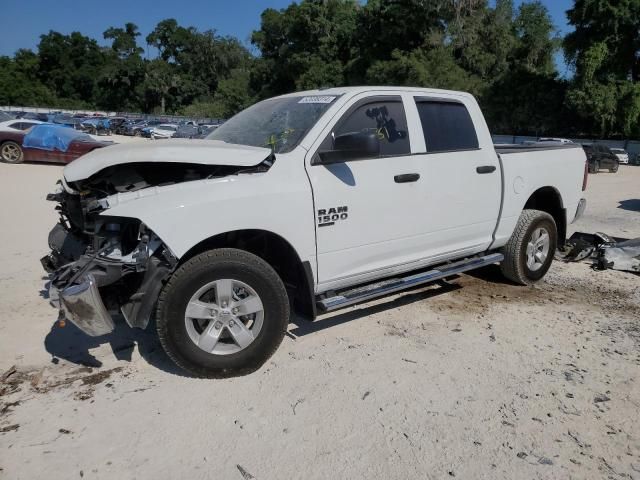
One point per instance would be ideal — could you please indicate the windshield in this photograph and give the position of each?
(278, 123)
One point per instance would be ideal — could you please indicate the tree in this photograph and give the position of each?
(604, 50)
(18, 85)
(306, 45)
(161, 86)
(69, 65)
(124, 40)
(124, 70)
(198, 61)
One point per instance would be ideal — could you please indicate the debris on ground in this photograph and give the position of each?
(10, 428)
(605, 251)
(245, 475)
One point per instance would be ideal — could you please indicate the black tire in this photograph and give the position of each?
(596, 167)
(202, 269)
(11, 152)
(514, 267)
(614, 169)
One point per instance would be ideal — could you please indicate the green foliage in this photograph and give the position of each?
(604, 49)
(502, 54)
(120, 82)
(18, 87)
(434, 68)
(306, 45)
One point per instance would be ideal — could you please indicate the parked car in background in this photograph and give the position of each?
(194, 131)
(18, 124)
(554, 140)
(186, 131)
(601, 157)
(205, 130)
(4, 116)
(164, 130)
(43, 117)
(96, 126)
(623, 156)
(46, 143)
(128, 127)
(116, 123)
(138, 129)
(67, 121)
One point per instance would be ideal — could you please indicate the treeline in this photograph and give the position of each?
(502, 54)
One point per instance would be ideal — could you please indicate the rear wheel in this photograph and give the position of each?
(614, 169)
(595, 167)
(11, 152)
(222, 313)
(530, 250)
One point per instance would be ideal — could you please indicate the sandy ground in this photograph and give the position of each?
(476, 379)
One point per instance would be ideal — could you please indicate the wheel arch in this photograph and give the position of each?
(548, 199)
(297, 275)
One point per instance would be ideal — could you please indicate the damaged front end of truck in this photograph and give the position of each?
(101, 265)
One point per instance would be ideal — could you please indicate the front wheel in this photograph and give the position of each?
(614, 169)
(11, 152)
(224, 312)
(529, 252)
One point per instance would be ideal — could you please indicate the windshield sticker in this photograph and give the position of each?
(322, 99)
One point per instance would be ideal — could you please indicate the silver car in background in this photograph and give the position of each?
(623, 156)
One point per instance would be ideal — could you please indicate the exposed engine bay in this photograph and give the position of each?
(102, 264)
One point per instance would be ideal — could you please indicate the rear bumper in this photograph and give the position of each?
(582, 206)
(82, 305)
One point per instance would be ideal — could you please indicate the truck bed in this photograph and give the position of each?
(504, 148)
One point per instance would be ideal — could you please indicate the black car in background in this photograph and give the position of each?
(194, 131)
(601, 157)
(134, 128)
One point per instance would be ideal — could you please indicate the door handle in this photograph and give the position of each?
(486, 169)
(407, 178)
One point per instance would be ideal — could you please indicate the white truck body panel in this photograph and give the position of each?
(278, 201)
(527, 171)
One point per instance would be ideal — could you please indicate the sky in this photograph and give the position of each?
(22, 22)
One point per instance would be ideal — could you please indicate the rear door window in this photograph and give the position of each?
(447, 126)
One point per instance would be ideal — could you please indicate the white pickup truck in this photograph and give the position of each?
(311, 201)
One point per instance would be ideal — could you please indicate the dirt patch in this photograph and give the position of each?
(14, 380)
(597, 290)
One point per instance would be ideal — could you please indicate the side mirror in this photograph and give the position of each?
(351, 146)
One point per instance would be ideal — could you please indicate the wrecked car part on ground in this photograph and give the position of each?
(606, 252)
(102, 264)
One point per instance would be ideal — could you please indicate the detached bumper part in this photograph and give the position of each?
(582, 206)
(82, 305)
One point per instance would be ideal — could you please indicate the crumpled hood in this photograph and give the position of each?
(205, 152)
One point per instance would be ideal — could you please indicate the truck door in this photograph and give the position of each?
(365, 207)
(460, 178)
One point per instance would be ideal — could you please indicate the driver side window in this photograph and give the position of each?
(384, 118)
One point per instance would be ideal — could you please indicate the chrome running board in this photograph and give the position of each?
(350, 297)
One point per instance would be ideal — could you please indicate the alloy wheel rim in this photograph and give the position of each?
(11, 153)
(224, 317)
(538, 249)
